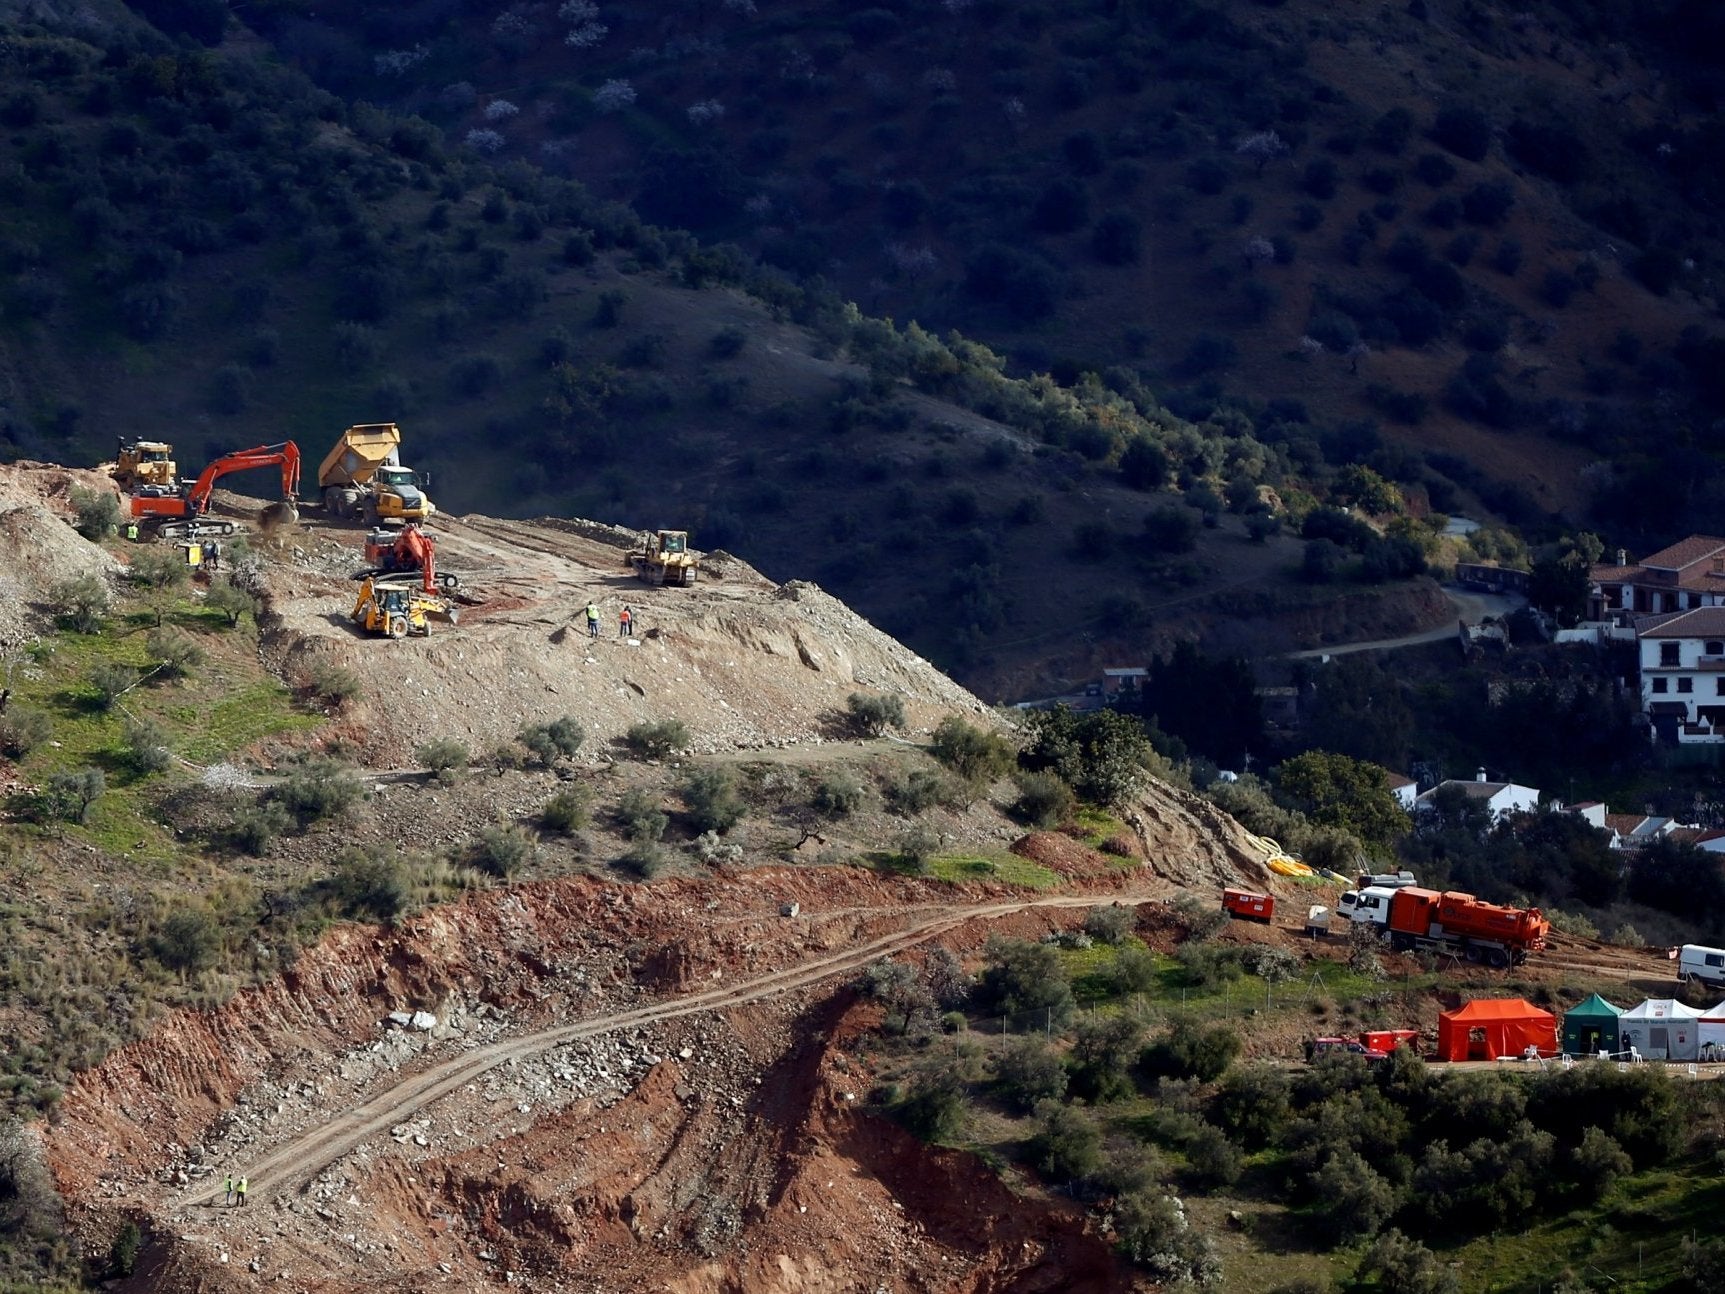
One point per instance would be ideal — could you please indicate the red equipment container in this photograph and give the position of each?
(1247, 906)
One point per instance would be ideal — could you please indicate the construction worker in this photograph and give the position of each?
(625, 622)
(213, 551)
(228, 1187)
(592, 619)
(240, 1190)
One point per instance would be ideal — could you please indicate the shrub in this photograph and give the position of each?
(1404, 1266)
(1117, 238)
(111, 681)
(1067, 1145)
(838, 794)
(81, 602)
(500, 851)
(1193, 1051)
(871, 716)
(916, 848)
(1110, 923)
(98, 512)
(975, 754)
(548, 742)
(1464, 130)
(147, 747)
(189, 940)
(727, 342)
(567, 811)
(1153, 1233)
(915, 792)
(1028, 1071)
(22, 729)
(657, 740)
(1044, 799)
(1352, 1200)
(68, 796)
(369, 884)
(1102, 1053)
(1025, 983)
(1134, 970)
(711, 798)
(1214, 1160)
(1252, 1104)
(334, 684)
(641, 817)
(256, 828)
(317, 790)
(232, 601)
(933, 1109)
(443, 755)
(643, 860)
(176, 651)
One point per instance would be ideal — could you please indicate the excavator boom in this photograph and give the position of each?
(195, 501)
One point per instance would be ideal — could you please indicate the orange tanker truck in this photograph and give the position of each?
(1415, 919)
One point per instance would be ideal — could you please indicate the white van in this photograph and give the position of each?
(1697, 963)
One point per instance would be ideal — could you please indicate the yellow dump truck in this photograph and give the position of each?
(363, 477)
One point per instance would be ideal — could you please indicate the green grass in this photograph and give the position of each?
(1003, 868)
(1633, 1237)
(218, 710)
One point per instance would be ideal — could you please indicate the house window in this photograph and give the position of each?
(1719, 686)
(1659, 684)
(1668, 653)
(1685, 685)
(1715, 647)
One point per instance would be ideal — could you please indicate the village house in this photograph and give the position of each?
(1687, 575)
(1631, 830)
(1499, 798)
(1683, 674)
(1404, 788)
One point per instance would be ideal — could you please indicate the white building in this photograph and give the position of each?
(1499, 798)
(1683, 673)
(1404, 788)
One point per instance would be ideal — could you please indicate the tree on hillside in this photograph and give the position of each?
(1102, 755)
(1360, 709)
(1341, 792)
(1209, 703)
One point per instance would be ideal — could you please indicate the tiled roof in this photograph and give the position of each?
(1702, 622)
(1625, 824)
(1685, 552)
(1613, 572)
(1393, 780)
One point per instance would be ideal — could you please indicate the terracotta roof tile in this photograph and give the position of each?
(1685, 552)
(1702, 622)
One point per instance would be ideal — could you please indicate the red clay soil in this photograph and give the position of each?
(735, 1156)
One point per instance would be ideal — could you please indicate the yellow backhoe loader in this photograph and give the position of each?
(396, 607)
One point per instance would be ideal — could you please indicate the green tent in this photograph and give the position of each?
(1591, 1027)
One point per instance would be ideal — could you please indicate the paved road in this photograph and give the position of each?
(1469, 606)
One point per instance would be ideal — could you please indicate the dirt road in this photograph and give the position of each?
(291, 1164)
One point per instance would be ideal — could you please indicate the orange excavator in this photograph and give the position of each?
(180, 515)
(392, 552)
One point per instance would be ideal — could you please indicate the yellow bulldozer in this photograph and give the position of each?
(397, 606)
(145, 463)
(664, 557)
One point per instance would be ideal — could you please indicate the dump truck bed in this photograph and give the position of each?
(361, 450)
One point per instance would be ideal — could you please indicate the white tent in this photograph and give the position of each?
(1710, 1031)
(1662, 1029)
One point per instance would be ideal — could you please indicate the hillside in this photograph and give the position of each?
(1490, 229)
(248, 258)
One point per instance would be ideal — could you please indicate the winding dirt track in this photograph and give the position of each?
(291, 1164)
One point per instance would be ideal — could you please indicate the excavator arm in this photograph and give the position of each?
(285, 455)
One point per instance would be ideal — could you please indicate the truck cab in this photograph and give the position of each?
(1371, 904)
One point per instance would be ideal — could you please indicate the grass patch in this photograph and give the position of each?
(1002, 868)
(1633, 1236)
(223, 706)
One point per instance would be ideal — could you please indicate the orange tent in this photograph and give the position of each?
(1493, 1027)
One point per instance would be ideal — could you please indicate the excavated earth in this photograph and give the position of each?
(577, 1084)
(583, 1087)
